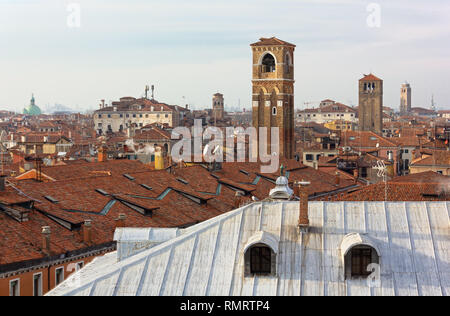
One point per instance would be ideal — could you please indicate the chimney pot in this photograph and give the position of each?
(120, 221)
(46, 239)
(303, 221)
(338, 179)
(87, 231)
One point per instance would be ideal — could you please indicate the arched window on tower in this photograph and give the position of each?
(274, 110)
(268, 63)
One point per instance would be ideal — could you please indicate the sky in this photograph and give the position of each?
(192, 49)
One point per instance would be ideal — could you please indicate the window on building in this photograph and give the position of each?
(99, 116)
(440, 172)
(274, 110)
(128, 115)
(37, 284)
(309, 157)
(121, 115)
(59, 276)
(109, 115)
(406, 151)
(358, 260)
(268, 63)
(14, 288)
(134, 115)
(146, 115)
(167, 115)
(260, 260)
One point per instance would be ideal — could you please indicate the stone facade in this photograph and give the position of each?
(371, 104)
(273, 91)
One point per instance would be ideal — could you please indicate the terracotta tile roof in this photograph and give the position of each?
(399, 191)
(93, 169)
(423, 177)
(272, 41)
(359, 139)
(370, 77)
(437, 158)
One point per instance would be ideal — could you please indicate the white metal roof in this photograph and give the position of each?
(207, 259)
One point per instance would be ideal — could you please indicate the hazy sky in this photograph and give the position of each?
(194, 48)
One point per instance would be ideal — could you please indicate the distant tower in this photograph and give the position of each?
(405, 99)
(273, 91)
(218, 106)
(371, 104)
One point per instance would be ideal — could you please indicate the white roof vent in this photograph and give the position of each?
(282, 191)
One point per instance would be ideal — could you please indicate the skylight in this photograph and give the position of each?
(51, 199)
(129, 177)
(102, 192)
(146, 187)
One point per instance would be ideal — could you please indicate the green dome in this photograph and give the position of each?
(32, 109)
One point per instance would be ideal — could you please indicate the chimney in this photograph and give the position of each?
(159, 160)
(46, 239)
(356, 175)
(237, 199)
(102, 154)
(303, 221)
(87, 231)
(2, 183)
(338, 179)
(120, 221)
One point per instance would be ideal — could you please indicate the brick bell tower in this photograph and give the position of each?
(273, 91)
(371, 104)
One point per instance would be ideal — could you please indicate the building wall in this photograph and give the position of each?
(326, 117)
(48, 277)
(273, 96)
(113, 119)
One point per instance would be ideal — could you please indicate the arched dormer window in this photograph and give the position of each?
(268, 63)
(260, 255)
(359, 254)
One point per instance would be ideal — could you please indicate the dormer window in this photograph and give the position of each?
(260, 255)
(260, 260)
(360, 255)
(359, 259)
(268, 63)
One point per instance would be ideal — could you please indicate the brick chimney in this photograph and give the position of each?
(338, 179)
(102, 155)
(120, 221)
(46, 239)
(356, 174)
(87, 231)
(303, 221)
(2, 182)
